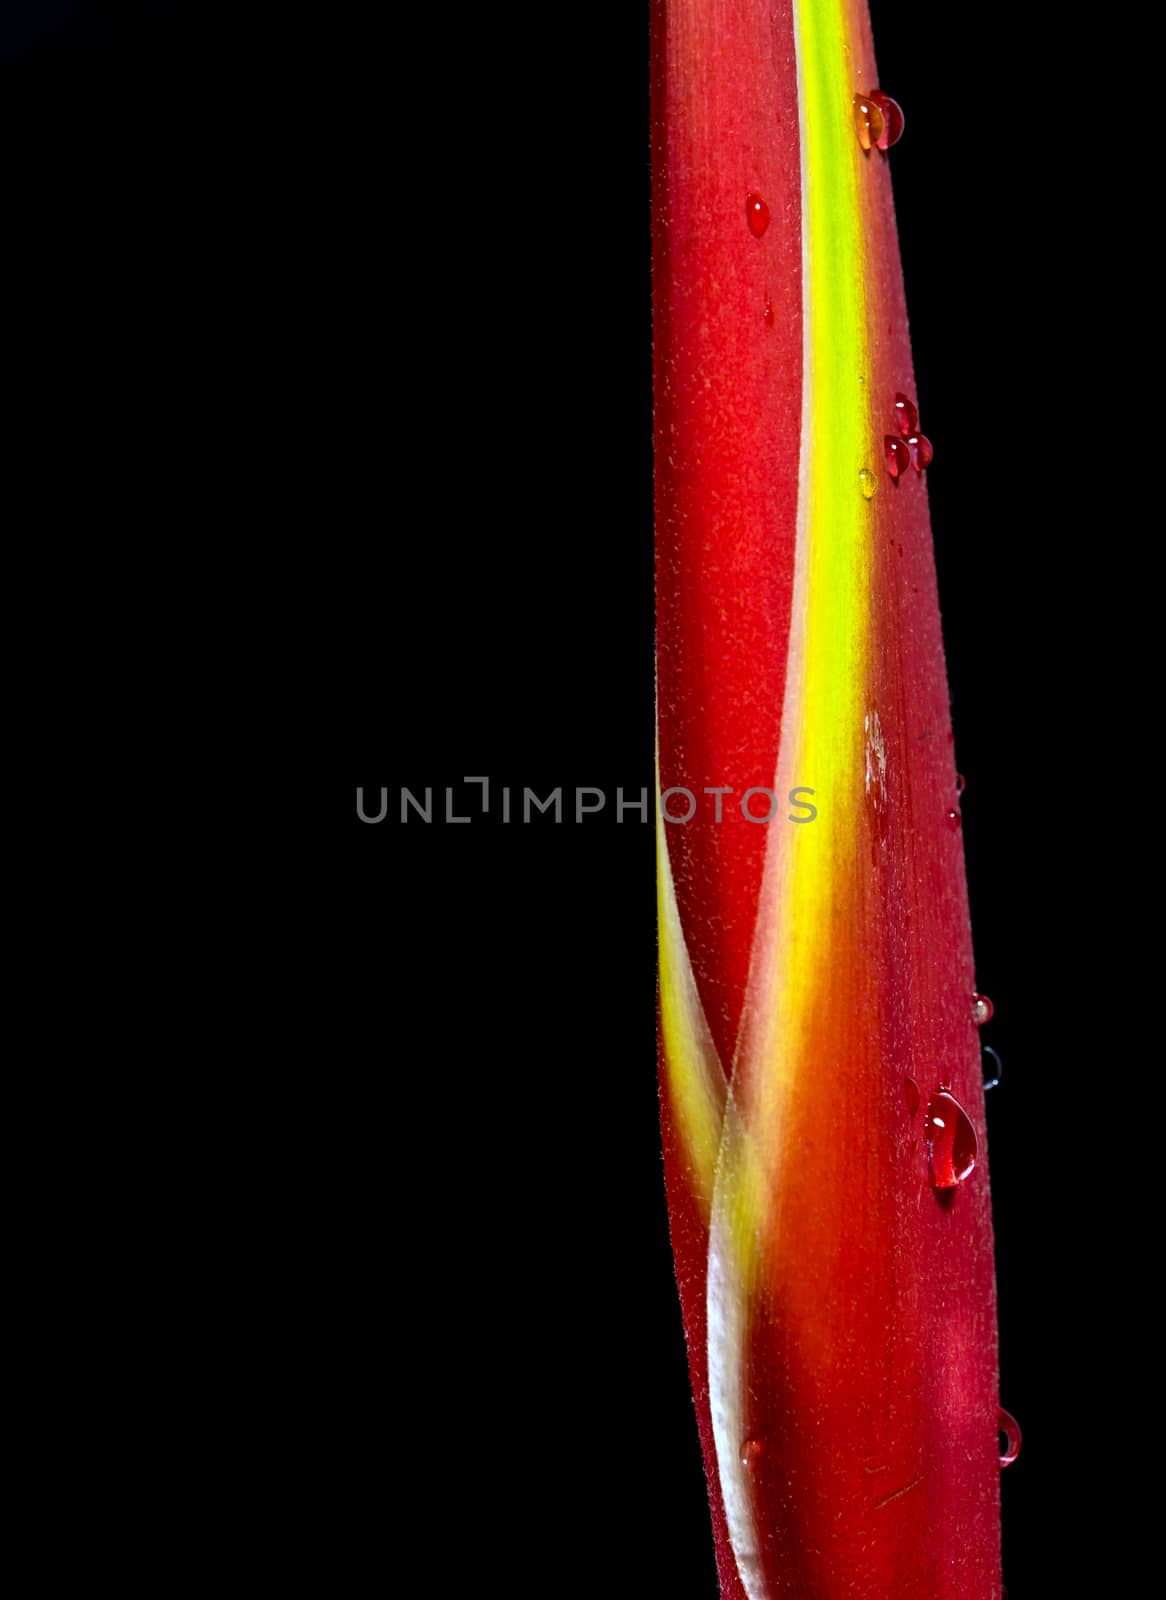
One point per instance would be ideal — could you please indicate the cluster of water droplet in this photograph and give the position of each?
(909, 447)
(982, 1013)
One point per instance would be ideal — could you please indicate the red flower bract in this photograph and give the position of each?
(838, 1301)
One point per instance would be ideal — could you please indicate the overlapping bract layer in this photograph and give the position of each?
(840, 1318)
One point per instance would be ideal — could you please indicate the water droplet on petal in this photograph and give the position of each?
(892, 114)
(921, 452)
(758, 214)
(751, 1452)
(961, 783)
(993, 1068)
(868, 120)
(1010, 1428)
(951, 1141)
(868, 483)
(954, 819)
(982, 1010)
(898, 456)
(907, 416)
(911, 1091)
(768, 313)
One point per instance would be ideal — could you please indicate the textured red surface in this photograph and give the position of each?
(728, 411)
(870, 1360)
(728, 378)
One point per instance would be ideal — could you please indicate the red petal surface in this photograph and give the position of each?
(816, 975)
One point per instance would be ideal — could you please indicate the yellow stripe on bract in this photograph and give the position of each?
(840, 444)
(822, 714)
(821, 740)
(693, 1072)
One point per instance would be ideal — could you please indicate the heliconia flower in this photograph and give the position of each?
(821, 1088)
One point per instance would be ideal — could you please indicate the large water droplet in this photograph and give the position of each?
(1010, 1428)
(961, 783)
(982, 1010)
(951, 1141)
(954, 820)
(868, 483)
(907, 415)
(751, 1452)
(898, 456)
(758, 214)
(993, 1068)
(922, 454)
(892, 114)
(868, 120)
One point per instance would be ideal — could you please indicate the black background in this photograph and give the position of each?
(334, 350)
